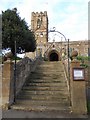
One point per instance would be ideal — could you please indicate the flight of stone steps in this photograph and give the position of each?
(45, 90)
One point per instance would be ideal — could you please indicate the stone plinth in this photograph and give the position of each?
(78, 92)
(7, 84)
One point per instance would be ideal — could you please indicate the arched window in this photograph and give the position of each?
(39, 22)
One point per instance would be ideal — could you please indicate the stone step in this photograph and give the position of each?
(42, 103)
(43, 66)
(45, 81)
(44, 88)
(50, 68)
(43, 97)
(49, 81)
(44, 75)
(45, 92)
(45, 78)
(38, 71)
(44, 72)
(50, 63)
(41, 108)
(47, 84)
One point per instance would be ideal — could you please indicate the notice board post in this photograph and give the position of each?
(78, 88)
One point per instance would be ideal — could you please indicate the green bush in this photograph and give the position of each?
(88, 106)
(83, 58)
(17, 58)
(84, 65)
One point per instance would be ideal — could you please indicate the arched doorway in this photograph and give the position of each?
(53, 56)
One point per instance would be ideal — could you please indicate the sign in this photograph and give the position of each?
(78, 74)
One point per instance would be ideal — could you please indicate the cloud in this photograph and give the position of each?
(74, 21)
(70, 18)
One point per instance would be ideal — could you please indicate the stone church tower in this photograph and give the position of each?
(39, 24)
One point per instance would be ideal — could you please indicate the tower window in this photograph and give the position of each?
(39, 22)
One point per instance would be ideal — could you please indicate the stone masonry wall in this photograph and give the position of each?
(7, 83)
(23, 69)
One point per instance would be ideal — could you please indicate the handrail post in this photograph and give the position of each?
(15, 74)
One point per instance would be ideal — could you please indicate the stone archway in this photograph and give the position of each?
(53, 56)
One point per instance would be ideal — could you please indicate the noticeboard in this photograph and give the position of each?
(78, 74)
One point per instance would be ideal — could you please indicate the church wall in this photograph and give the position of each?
(41, 34)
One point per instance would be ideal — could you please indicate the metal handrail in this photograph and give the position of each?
(67, 40)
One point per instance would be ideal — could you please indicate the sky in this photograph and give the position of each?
(69, 17)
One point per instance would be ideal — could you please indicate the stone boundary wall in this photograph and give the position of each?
(77, 88)
(77, 91)
(7, 83)
(23, 69)
(65, 62)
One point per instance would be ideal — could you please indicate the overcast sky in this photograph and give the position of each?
(70, 17)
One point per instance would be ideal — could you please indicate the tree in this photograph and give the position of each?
(15, 29)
